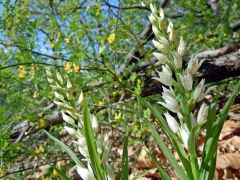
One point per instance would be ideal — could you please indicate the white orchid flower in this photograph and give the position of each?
(187, 81)
(181, 47)
(170, 100)
(194, 65)
(86, 173)
(202, 114)
(160, 57)
(199, 91)
(172, 123)
(184, 132)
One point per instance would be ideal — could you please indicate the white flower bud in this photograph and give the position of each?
(161, 14)
(69, 84)
(85, 173)
(156, 31)
(172, 123)
(172, 33)
(160, 57)
(177, 60)
(199, 91)
(50, 80)
(154, 10)
(68, 119)
(49, 72)
(166, 69)
(153, 19)
(157, 44)
(59, 96)
(164, 42)
(70, 131)
(59, 77)
(202, 114)
(181, 47)
(187, 81)
(184, 132)
(94, 123)
(80, 99)
(194, 65)
(170, 100)
(164, 79)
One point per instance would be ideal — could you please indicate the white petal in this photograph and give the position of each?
(160, 57)
(85, 173)
(203, 113)
(94, 123)
(172, 107)
(67, 118)
(173, 124)
(185, 135)
(70, 131)
(187, 81)
(181, 47)
(157, 44)
(177, 60)
(199, 91)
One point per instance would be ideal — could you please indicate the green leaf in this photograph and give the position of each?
(174, 139)
(163, 174)
(65, 148)
(92, 148)
(168, 154)
(124, 174)
(210, 147)
(192, 143)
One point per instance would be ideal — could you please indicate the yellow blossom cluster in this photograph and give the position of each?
(68, 67)
(42, 123)
(22, 72)
(111, 38)
(117, 116)
(39, 150)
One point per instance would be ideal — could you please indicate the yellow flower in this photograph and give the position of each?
(111, 38)
(22, 72)
(35, 95)
(114, 93)
(76, 68)
(67, 67)
(100, 103)
(2, 171)
(39, 150)
(54, 173)
(42, 123)
(67, 40)
(51, 44)
(117, 116)
(200, 37)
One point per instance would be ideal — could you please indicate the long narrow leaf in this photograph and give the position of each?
(92, 148)
(168, 154)
(163, 174)
(65, 148)
(175, 141)
(124, 173)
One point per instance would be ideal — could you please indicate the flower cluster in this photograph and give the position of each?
(71, 114)
(69, 68)
(21, 71)
(111, 38)
(179, 94)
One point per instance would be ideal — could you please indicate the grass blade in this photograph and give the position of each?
(65, 148)
(168, 154)
(163, 174)
(124, 173)
(92, 148)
